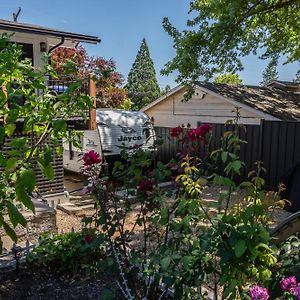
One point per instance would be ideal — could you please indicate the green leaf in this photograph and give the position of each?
(23, 197)
(11, 164)
(27, 179)
(15, 216)
(165, 262)
(224, 156)
(18, 142)
(9, 231)
(60, 125)
(47, 171)
(236, 165)
(9, 129)
(47, 155)
(240, 248)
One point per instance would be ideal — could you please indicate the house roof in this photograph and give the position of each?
(280, 104)
(283, 105)
(283, 83)
(35, 29)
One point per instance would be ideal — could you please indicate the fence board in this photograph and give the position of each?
(275, 143)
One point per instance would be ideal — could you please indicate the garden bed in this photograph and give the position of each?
(27, 284)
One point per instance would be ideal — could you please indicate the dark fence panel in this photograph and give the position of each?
(275, 143)
(280, 148)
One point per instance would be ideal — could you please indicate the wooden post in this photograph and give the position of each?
(92, 114)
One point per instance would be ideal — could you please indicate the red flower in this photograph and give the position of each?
(204, 129)
(146, 185)
(91, 158)
(176, 131)
(88, 239)
(199, 133)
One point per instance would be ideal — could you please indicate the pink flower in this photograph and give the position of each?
(146, 185)
(176, 131)
(91, 158)
(289, 284)
(258, 293)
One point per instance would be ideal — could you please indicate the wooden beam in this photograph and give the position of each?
(92, 114)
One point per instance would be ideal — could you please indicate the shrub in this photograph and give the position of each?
(69, 252)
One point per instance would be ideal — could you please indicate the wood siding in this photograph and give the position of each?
(202, 107)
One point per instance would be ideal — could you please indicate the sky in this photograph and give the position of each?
(121, 25)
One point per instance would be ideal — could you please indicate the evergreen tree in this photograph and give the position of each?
(142, 85)
(270, 73)
(297, 77)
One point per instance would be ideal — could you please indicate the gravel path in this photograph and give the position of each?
(65, 222)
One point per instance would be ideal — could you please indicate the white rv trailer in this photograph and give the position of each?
(116, 129)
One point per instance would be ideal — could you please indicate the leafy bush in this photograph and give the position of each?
(33, 122)
(69, 252)
(188, 242)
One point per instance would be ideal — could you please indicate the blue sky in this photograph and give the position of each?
(121, 25)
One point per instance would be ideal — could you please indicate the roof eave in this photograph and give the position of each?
(17, 27)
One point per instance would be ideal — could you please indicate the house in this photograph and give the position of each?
(285, 85)
(216, 103)
(36, 40)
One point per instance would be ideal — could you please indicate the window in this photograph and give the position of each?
(27, 51)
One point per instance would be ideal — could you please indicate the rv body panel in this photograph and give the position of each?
(116, 130)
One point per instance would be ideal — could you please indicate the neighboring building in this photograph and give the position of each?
(216, 103)
(284, 85)
(36, 40)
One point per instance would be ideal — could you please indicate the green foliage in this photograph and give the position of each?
(68, 253)
(126, 105)
(297, 77)
(142, 85)
(270, 73)
(221, 32)
(187, 242)
(228, 78)
(32, 117)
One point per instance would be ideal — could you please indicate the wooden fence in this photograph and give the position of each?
(275, 143)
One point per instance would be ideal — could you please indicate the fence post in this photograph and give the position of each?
(92, 112)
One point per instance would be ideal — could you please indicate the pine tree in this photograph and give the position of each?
(142, 85)
(270, 73)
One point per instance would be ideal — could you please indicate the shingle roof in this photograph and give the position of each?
(281, 104)
(282, 82)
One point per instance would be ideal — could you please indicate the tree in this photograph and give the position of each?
(142, 85)
(228, 78)
(166, 90)
(297, 77)
(108, 81)
(270, 73)
(224, 31)
(30, 115)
